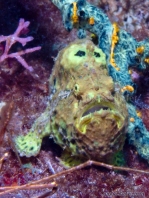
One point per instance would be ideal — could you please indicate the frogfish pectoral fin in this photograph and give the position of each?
(28, 145)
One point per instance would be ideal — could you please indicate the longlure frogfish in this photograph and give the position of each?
(86, 113)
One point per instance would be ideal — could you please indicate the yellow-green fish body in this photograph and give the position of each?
(86, 114)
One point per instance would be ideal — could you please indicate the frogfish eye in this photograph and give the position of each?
(76, 88)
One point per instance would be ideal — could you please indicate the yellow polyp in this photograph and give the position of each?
(117, 68)
(139, 114)
(112, 61)
(114, 39)
(75, 17)
(130, 71)
(114, 64)
(91, 21)
(140, 49)
(116, 28)
(112, 55)
(132, 119)
(146, 60)
(128, 88)
(93, 36)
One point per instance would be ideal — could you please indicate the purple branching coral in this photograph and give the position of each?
(12, 39)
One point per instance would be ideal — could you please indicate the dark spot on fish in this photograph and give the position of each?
(64, 132)
(83, 153)
(54, 112)
(96, 54)
(64, 140)
(73, 141)
(79, 98)
(113, 92)
(54, 81)
(24, 143)
(80, 53)
(31, 148)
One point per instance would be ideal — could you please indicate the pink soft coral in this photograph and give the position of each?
(12, 39)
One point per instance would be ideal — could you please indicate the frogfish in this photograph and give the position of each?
(86, 113)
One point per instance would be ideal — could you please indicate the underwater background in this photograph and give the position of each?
(26, 93)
